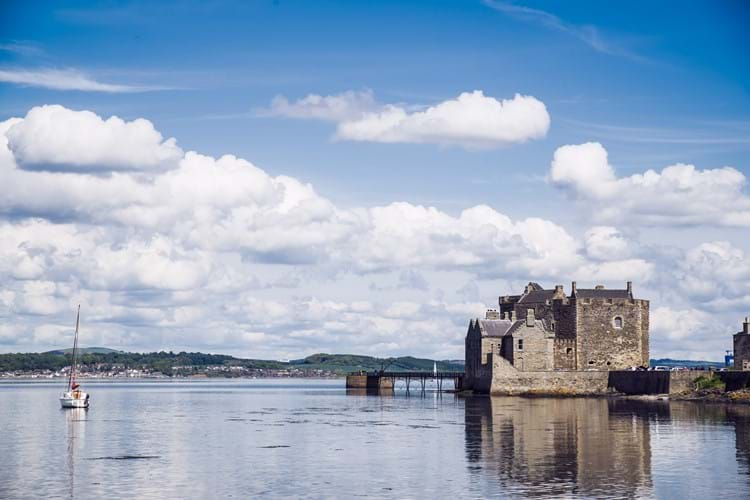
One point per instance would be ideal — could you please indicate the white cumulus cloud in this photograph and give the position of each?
(471, 120)
(56, 136)
(677, 195)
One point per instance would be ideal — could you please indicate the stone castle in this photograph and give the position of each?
(546, 330)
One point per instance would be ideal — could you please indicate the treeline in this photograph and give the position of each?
(164, 362)
(154, 361)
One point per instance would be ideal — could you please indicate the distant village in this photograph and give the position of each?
(105, 371)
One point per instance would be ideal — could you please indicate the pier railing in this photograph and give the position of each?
(375, 378)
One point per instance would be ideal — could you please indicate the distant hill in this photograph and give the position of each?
(689, 363)
(84, 350)
(165, 361)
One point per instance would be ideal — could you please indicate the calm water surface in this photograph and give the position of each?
(289, 438)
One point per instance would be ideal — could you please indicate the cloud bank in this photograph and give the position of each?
(179, 250)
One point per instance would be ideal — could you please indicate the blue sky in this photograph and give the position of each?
(656, 84)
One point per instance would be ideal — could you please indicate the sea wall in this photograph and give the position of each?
(563, 383)
(508, 381)
(654, 382)
(735, 380)
(637, 382)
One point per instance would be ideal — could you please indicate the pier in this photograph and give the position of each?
(387, 380)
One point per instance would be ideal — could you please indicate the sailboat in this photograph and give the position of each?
(74, 397)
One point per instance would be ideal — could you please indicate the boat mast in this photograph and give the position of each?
(72, 376)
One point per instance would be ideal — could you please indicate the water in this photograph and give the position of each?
(309, 438)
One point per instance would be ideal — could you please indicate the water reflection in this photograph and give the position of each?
(76, 433)
(604, 448)
(740, 417)
(246, 439)
(562, 446)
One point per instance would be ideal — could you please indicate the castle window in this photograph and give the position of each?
(520, 344)
(569, 350)
(617, 322)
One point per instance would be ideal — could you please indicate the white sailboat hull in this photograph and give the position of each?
(73, 400)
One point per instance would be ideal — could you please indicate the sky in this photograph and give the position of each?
(272, 179)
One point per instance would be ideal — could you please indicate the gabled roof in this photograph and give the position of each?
(591, 293)
(494, 327)
(521, 323)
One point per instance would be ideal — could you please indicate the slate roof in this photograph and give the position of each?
(494, 327)
(590, 293)
(536, 296)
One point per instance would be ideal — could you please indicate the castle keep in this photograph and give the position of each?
(546, 330)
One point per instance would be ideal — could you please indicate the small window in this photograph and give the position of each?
(569, 350)
(591, 362)
(617, 322)
(520, 344)
(499, 349)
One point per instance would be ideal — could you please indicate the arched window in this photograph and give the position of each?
(617, 322)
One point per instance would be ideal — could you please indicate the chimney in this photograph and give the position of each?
(746, 325)
(530, 317)
(491, 314)
(599, 287)
(630, 288)
(573, 288)
(559, 293)
(513, 315)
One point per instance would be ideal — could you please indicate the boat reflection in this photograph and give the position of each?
(75, 423)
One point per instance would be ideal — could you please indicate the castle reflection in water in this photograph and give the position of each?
(591, 448)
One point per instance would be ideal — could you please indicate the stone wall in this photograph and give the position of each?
(570, 383)
(483, 380)
(636, 382)
(506, 380)
(532, 347)
(735, 380)
(472, 355)
(653, 382)
(600, 344)
(644, 333)
(741, 351)
(564, 315)
(565, 354)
